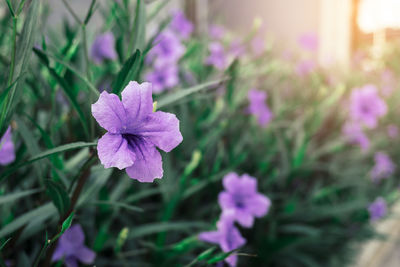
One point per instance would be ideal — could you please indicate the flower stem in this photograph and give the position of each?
(85, 173)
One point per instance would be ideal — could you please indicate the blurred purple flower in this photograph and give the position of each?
(168, 49)
(242, 199)
(377, 209)
(103, 48)
(384, 167)
(134, 132)
(7, 150)
(227, 236)
(258, 45)
(181, 25)
(163, 78)
(309, 41)
(258, 107)
(71, 247)
(393, 131)
(216, 32)
(217, 57)
(305, 67)
(353, 131)
(237, 49)
(366, 106)
(388, 82)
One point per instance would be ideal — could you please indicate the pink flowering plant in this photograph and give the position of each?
(131, 134)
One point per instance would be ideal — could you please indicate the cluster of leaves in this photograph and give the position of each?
(317, 182)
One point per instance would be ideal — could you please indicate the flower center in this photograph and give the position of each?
(239, 202)
(135, 142)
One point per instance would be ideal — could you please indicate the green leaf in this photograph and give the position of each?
(230, 87)
(58, 195)
(31, 144)
(66, 88)
(60, 149)
(4, 243)
(118, 205)
(90, 12)
(16, 196)
(4, 94)
(81, 76)
(43, 213)
(49, 144)
(122, 236)
(23, 54)
(206, 254)
(67, 223)
(46, 154)
(10, 8)
(139, 27)
(219, 257)
(173, 98)
(153, 228)
(129, 72)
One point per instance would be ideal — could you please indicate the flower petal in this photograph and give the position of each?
(231, 182)
(58, 253)
(162, 129)
(74, 235)
(109, 113)
(232, 260)
(113, 151)
(148, 164)
(225, 201)
(138, 101)
(210, 237)
(259, 205)
(71, 262)
(7, 151)
(244, 218)
(248, 184)
(85, 255)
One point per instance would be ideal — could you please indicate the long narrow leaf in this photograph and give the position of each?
(175, 97)
(23, 54)
(46, 154)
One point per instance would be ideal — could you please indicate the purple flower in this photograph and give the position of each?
(388, 82)
(355, 134)
(7, 150)
(227, 236)
(305, 67)
(168, 49)
(241, 197)
(217, 57)
(71, 247)
(308, 41)
(103, 48)
(216, 32)
(134, 132)
(181, 25)
(393, 131)
(258, 107)
(258, 45)
(237, 49)
(366, 106)
(377, 209)
(163, 78)
(384, 167)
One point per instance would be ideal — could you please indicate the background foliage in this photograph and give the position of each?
(318, 183)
